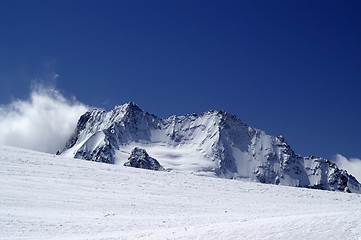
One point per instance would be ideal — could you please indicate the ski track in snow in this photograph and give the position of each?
(44, 196)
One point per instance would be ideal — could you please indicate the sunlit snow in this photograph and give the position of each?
(44, 196)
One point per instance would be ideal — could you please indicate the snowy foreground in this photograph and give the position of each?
(50, 197)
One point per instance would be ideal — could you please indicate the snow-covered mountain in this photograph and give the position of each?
(213, 143)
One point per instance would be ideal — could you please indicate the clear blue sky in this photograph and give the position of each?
(287, 67)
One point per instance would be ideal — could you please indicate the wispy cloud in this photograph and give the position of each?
(351, 165)
(44, 122)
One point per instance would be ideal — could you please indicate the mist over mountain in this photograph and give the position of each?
(352, 165)
(214, 143)
(43, 122)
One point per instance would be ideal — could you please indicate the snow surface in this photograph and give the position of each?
(44, 196)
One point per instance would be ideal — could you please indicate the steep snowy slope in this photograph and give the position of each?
(50, 197)
(213, 143)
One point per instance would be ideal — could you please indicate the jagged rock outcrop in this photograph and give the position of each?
(139, 158)
(213, 143)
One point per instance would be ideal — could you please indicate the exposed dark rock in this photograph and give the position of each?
(139, 158)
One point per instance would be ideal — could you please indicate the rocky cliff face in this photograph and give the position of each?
(139, 158)
(213, 143)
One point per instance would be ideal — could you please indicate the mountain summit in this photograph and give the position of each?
(213, 143)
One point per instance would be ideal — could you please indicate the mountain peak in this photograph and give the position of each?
(214, 143)
(130, 106)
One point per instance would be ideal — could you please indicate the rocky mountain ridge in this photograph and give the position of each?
(213, 143)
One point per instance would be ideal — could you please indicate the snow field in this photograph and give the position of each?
(50, 197)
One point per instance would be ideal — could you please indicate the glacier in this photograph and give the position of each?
(214, 143)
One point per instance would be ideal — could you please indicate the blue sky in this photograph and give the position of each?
(286, 67)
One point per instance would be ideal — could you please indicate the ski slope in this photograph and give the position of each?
(44, 196)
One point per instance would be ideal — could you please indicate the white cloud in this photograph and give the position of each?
(43, 123)
(351, 165)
